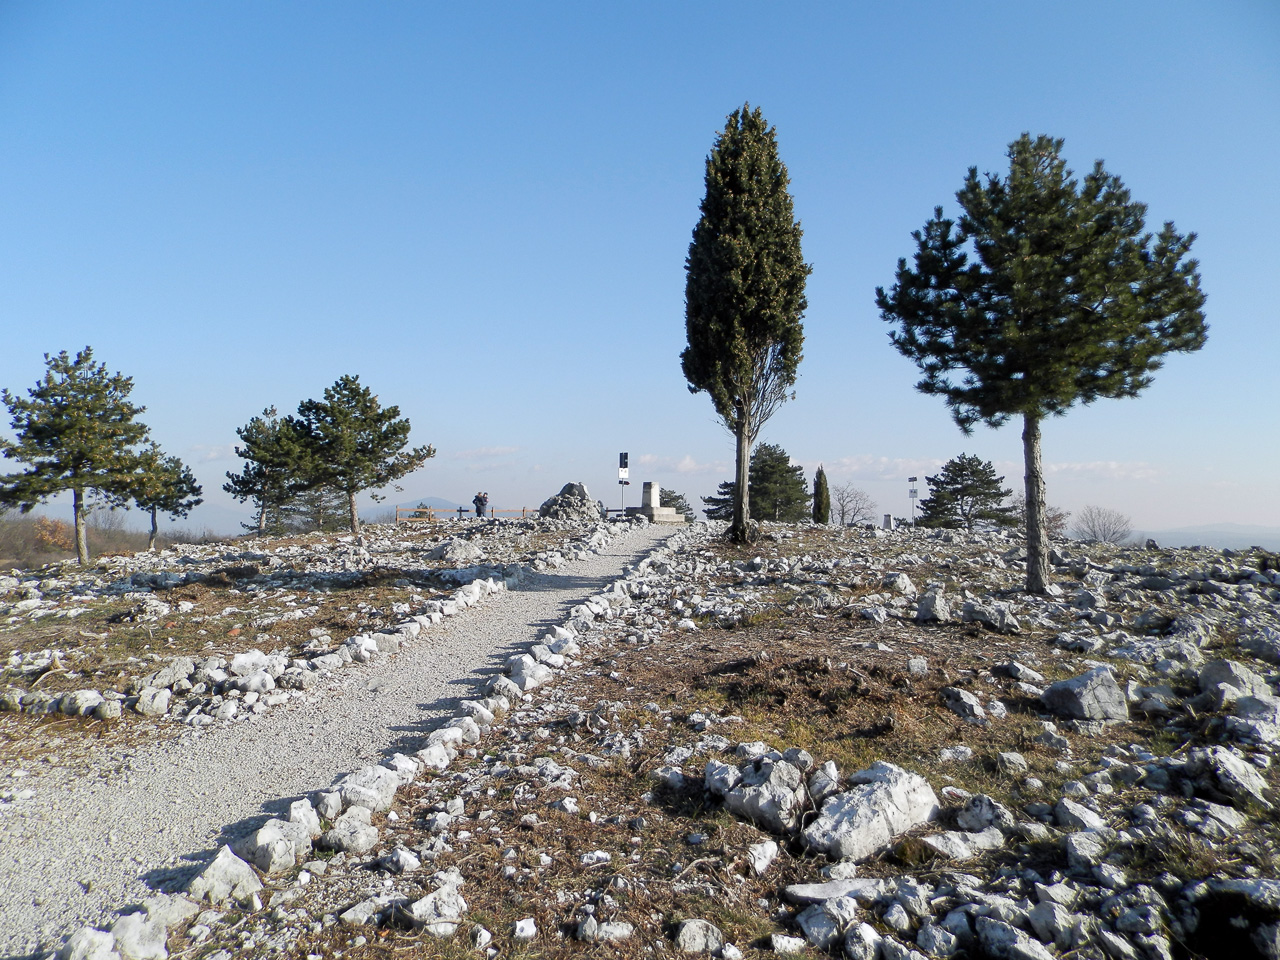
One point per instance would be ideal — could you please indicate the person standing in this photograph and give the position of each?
(481, 501)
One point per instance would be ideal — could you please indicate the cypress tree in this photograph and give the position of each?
(1066, 300)
(744, 291)
(821, 497)
(77, 430)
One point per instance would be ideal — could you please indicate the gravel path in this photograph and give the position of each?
(83, 848)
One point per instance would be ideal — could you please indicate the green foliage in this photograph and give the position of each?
(669, 498)
(320, 508)
(720, 505)
(744, 288)
(821, 497)
(348, 441)
(77, 431)
(164, 485)
(1047, 292)
(776, 487)
(965, 495)
(271, 471)
(1066, 299)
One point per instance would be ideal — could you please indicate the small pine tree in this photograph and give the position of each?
(77, 430)
(778, 489)
(965, 495)
(821, 497)
(669, 498)
(271, 471)
(318, 509)
(720, 506)
(164, 485)
(348, 441)
(744, 291)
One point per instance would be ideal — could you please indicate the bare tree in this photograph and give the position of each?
(851, 505)
(1102, 523)
(1055, 520)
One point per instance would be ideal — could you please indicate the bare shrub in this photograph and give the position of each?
(849, 505)
(1102, 523)
(1055, 520)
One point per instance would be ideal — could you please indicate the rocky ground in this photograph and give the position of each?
(840, 742)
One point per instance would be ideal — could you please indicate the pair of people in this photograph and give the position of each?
(481, 501)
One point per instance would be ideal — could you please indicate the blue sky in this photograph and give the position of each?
(483, 211)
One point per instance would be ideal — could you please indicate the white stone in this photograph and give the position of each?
(884, 802)
(226, 878)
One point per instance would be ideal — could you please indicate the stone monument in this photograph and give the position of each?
(651, 508)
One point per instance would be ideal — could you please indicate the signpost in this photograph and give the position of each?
(913, 494)
(624, 481)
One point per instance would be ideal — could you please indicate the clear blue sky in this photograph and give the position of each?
(483, 211)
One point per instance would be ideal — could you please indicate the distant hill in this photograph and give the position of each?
(1236, 536)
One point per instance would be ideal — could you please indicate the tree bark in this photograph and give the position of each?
(82, 532)
(1037, 546)
(355, 516)
(740, 530)
(155, 528)
(262, 518)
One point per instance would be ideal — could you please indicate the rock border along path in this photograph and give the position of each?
(84, 848)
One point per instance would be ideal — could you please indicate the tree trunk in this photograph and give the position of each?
(355, 516)
(740, 530)
(1037, 552)
(82, 531)
(262, 518)
(155, 527)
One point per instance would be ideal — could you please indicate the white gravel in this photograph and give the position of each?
(84, 847)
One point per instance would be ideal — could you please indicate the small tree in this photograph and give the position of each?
(350, 442)
(1102, 523)
(271, 472)
(777, 488)
(821, 497)
(77, 430)
(720, 505)
(852, 505)
(1055, 519)
(321, 508)
(744, 291)
(669, 498)
(164, 485)
(966, 494)
(1066, 301)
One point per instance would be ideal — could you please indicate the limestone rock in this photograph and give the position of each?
(1093, 695)
(372, 787)
(884, 802)
(771, 794)
(226, 878)
(573, 502)
(89, 944)
(962, 844)
(138, 937)
(698, 936)
(351, 832)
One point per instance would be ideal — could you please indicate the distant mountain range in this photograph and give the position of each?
(1236, 536)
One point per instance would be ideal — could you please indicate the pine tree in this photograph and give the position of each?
(77, 430)
(821, 497)
(777, 488)
(744, 291)
(350, 442)
(720, 506)
(319, 509)
(965, 495)
(1066, 301)
(669, 498)
(271, 473)
(164, 485)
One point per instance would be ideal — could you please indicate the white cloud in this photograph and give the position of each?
(204, 453)
(868, 467)
(685, 465)
(1099, 470)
